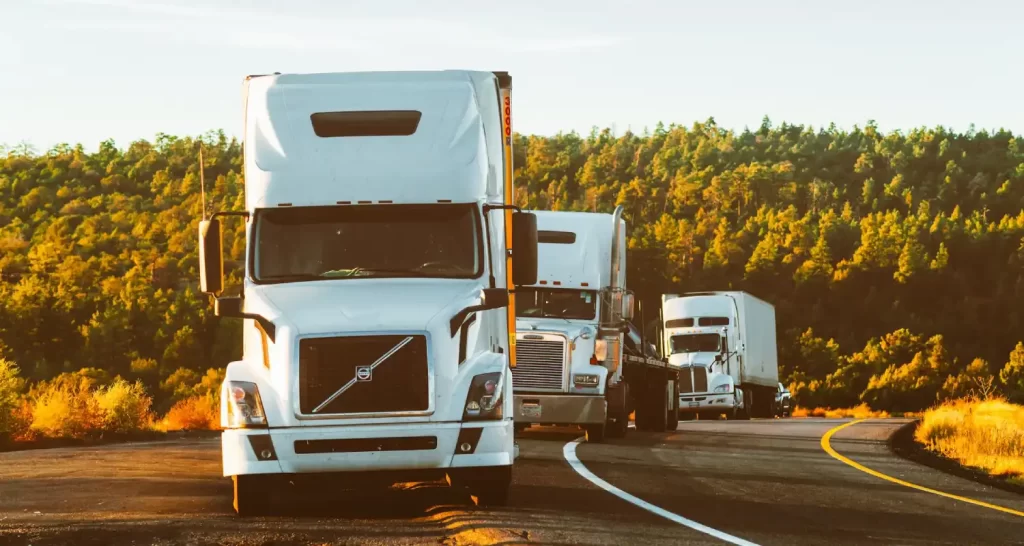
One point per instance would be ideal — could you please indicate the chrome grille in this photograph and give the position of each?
(540, 363)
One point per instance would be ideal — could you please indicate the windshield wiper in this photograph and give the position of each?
(295, 277)
(371, 271)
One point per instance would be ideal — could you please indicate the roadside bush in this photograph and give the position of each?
(65, 407)
(984, 434)
(200, 412)
(125, 407)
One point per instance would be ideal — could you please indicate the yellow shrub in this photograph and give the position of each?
(985, 434)
(66, 409)
(193, 413)
(124, 407)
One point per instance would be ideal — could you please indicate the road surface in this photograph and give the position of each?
(710, 482)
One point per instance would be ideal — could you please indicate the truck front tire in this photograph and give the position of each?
(252, 496)
(595, 433)
(491, 486)
(672, 419)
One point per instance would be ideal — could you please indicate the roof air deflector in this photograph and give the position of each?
(365, 123)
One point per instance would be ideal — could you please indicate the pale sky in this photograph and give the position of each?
(88, 70)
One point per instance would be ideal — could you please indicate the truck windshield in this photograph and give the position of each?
(556, 303)
(314, 243)
(696, 343)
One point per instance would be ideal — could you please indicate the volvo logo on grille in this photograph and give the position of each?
(364, 373)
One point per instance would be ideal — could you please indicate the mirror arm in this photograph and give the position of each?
(489, 208)
(242, 213)
(461, 316)
(264, 322)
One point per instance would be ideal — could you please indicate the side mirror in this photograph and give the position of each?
(628, 306)
(211, 259)
(524, 248)
(495, 298)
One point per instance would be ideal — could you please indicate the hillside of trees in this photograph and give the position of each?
(894, 260)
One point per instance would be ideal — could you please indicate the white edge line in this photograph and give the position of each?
(569, 452)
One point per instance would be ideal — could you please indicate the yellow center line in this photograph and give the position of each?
(826, 445)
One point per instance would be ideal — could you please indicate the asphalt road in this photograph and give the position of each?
(760, 482)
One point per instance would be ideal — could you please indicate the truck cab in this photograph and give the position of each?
(378, 333)
(697, 340)
(567, 357)
(571, 328)
(725, 346)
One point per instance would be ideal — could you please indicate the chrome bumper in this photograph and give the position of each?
(694, 402)
(560, 409)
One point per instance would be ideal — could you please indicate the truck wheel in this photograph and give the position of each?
(252, 497)
(617, 428)
(595, 433)
(492, 489)
(658, 402)
(747, 411)
(672, 419)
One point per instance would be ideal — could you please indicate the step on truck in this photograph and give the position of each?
(725, 346)
(378, 321)
(574, 365)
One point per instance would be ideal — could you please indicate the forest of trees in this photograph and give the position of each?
(895, 261)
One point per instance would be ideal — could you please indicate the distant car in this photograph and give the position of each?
(783, 402)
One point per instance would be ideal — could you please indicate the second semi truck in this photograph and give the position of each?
(573, 366)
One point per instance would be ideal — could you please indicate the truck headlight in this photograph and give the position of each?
(724, 388)
(485, 396)
(585, 380)
(245, 408)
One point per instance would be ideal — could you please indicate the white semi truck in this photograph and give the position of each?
(378, 320)
(574, 366)
(725, 345)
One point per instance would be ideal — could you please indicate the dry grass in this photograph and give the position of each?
(858, 412)
(983, 434)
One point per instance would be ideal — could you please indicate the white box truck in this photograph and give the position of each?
(574, 365)
(725, 345)
(378, 324)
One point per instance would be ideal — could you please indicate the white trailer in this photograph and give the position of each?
(573, 368)
(378, 320)
(725, 345)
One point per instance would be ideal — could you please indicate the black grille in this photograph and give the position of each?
(399, 383)
(700, 379)
(685, 381)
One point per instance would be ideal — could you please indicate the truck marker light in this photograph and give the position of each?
(584, 284)
(543, 282)
(556, 283)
